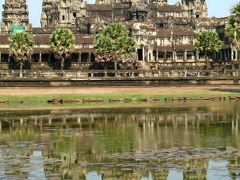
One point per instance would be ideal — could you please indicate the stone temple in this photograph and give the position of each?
(164, 33)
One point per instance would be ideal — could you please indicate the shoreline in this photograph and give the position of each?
(62, 109)
(82, 97)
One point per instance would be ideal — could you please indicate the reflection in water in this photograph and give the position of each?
(173, 174)
(93, 175)
(37, 166)
(218, 170)
(188, 141)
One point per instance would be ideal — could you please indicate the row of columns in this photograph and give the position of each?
(49, 57)
(80, 57)
(148, 55)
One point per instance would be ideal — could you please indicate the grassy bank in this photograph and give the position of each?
(126, 97)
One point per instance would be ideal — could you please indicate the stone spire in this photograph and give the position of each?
(63, 13)
(15, 13)
(159, 2)
(196, 8)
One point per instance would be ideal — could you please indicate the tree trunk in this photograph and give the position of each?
(115, 67)
(62, 63)
(20, 75)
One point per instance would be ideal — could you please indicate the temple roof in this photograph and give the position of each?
(4, 39)
(176, 31)
(210, 22)
(169, 8)
(99, 7)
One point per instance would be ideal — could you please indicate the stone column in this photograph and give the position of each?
(40, 58)
(223, 55)
(157, 56)
(173, 56)
(89, 57)
(79, 57)
(143, 54)
(185, 56)
(231, 54)
(165, 56)
(197, 56)
(147, 55)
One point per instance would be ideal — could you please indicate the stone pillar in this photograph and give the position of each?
(157, 55)
(173, 56)
(40, 58)
(79, 57)
(147, 55)
(143, 54)
(197, 56)
(236, 54)
(150, 54)
(165, 56)
(231, 54)
(221, 55)
(185, 56)
(89, 57)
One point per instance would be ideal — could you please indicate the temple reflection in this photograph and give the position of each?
(150, 143)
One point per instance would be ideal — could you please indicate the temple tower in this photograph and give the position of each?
(159, 2)
(15, 14)
(63, 13)
(196, 8)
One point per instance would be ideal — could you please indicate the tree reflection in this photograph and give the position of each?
(120, 143)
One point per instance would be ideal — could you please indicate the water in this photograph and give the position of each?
(171, 141)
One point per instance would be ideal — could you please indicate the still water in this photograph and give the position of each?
(171, 141)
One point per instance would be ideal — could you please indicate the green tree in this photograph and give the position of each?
(113, 44)
(208, 42)
(62, 44)
(21, 48)
(232, 29)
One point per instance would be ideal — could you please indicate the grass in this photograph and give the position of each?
(40, 102)
(127, 97)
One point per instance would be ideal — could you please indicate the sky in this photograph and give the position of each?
(217, 8)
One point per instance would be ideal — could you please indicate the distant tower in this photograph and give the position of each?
(15, 13)
(196, 8)
(160, 2)
(62, 12)
(107, 1)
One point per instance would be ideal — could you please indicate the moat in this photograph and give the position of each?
(199, 140)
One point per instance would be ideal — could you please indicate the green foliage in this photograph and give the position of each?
(114, 44)
(21, 47)
(232, 29)
(62, 44)
(208, 42)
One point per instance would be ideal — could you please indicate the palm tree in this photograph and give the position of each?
(21, 48)
(232, 29)
(208, 42)
(62, 44)
(113, 44)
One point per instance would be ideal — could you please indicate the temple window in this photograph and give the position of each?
(74, 15)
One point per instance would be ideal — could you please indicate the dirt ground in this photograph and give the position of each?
(31, 91)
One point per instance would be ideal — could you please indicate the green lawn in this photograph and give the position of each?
(127, 97)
